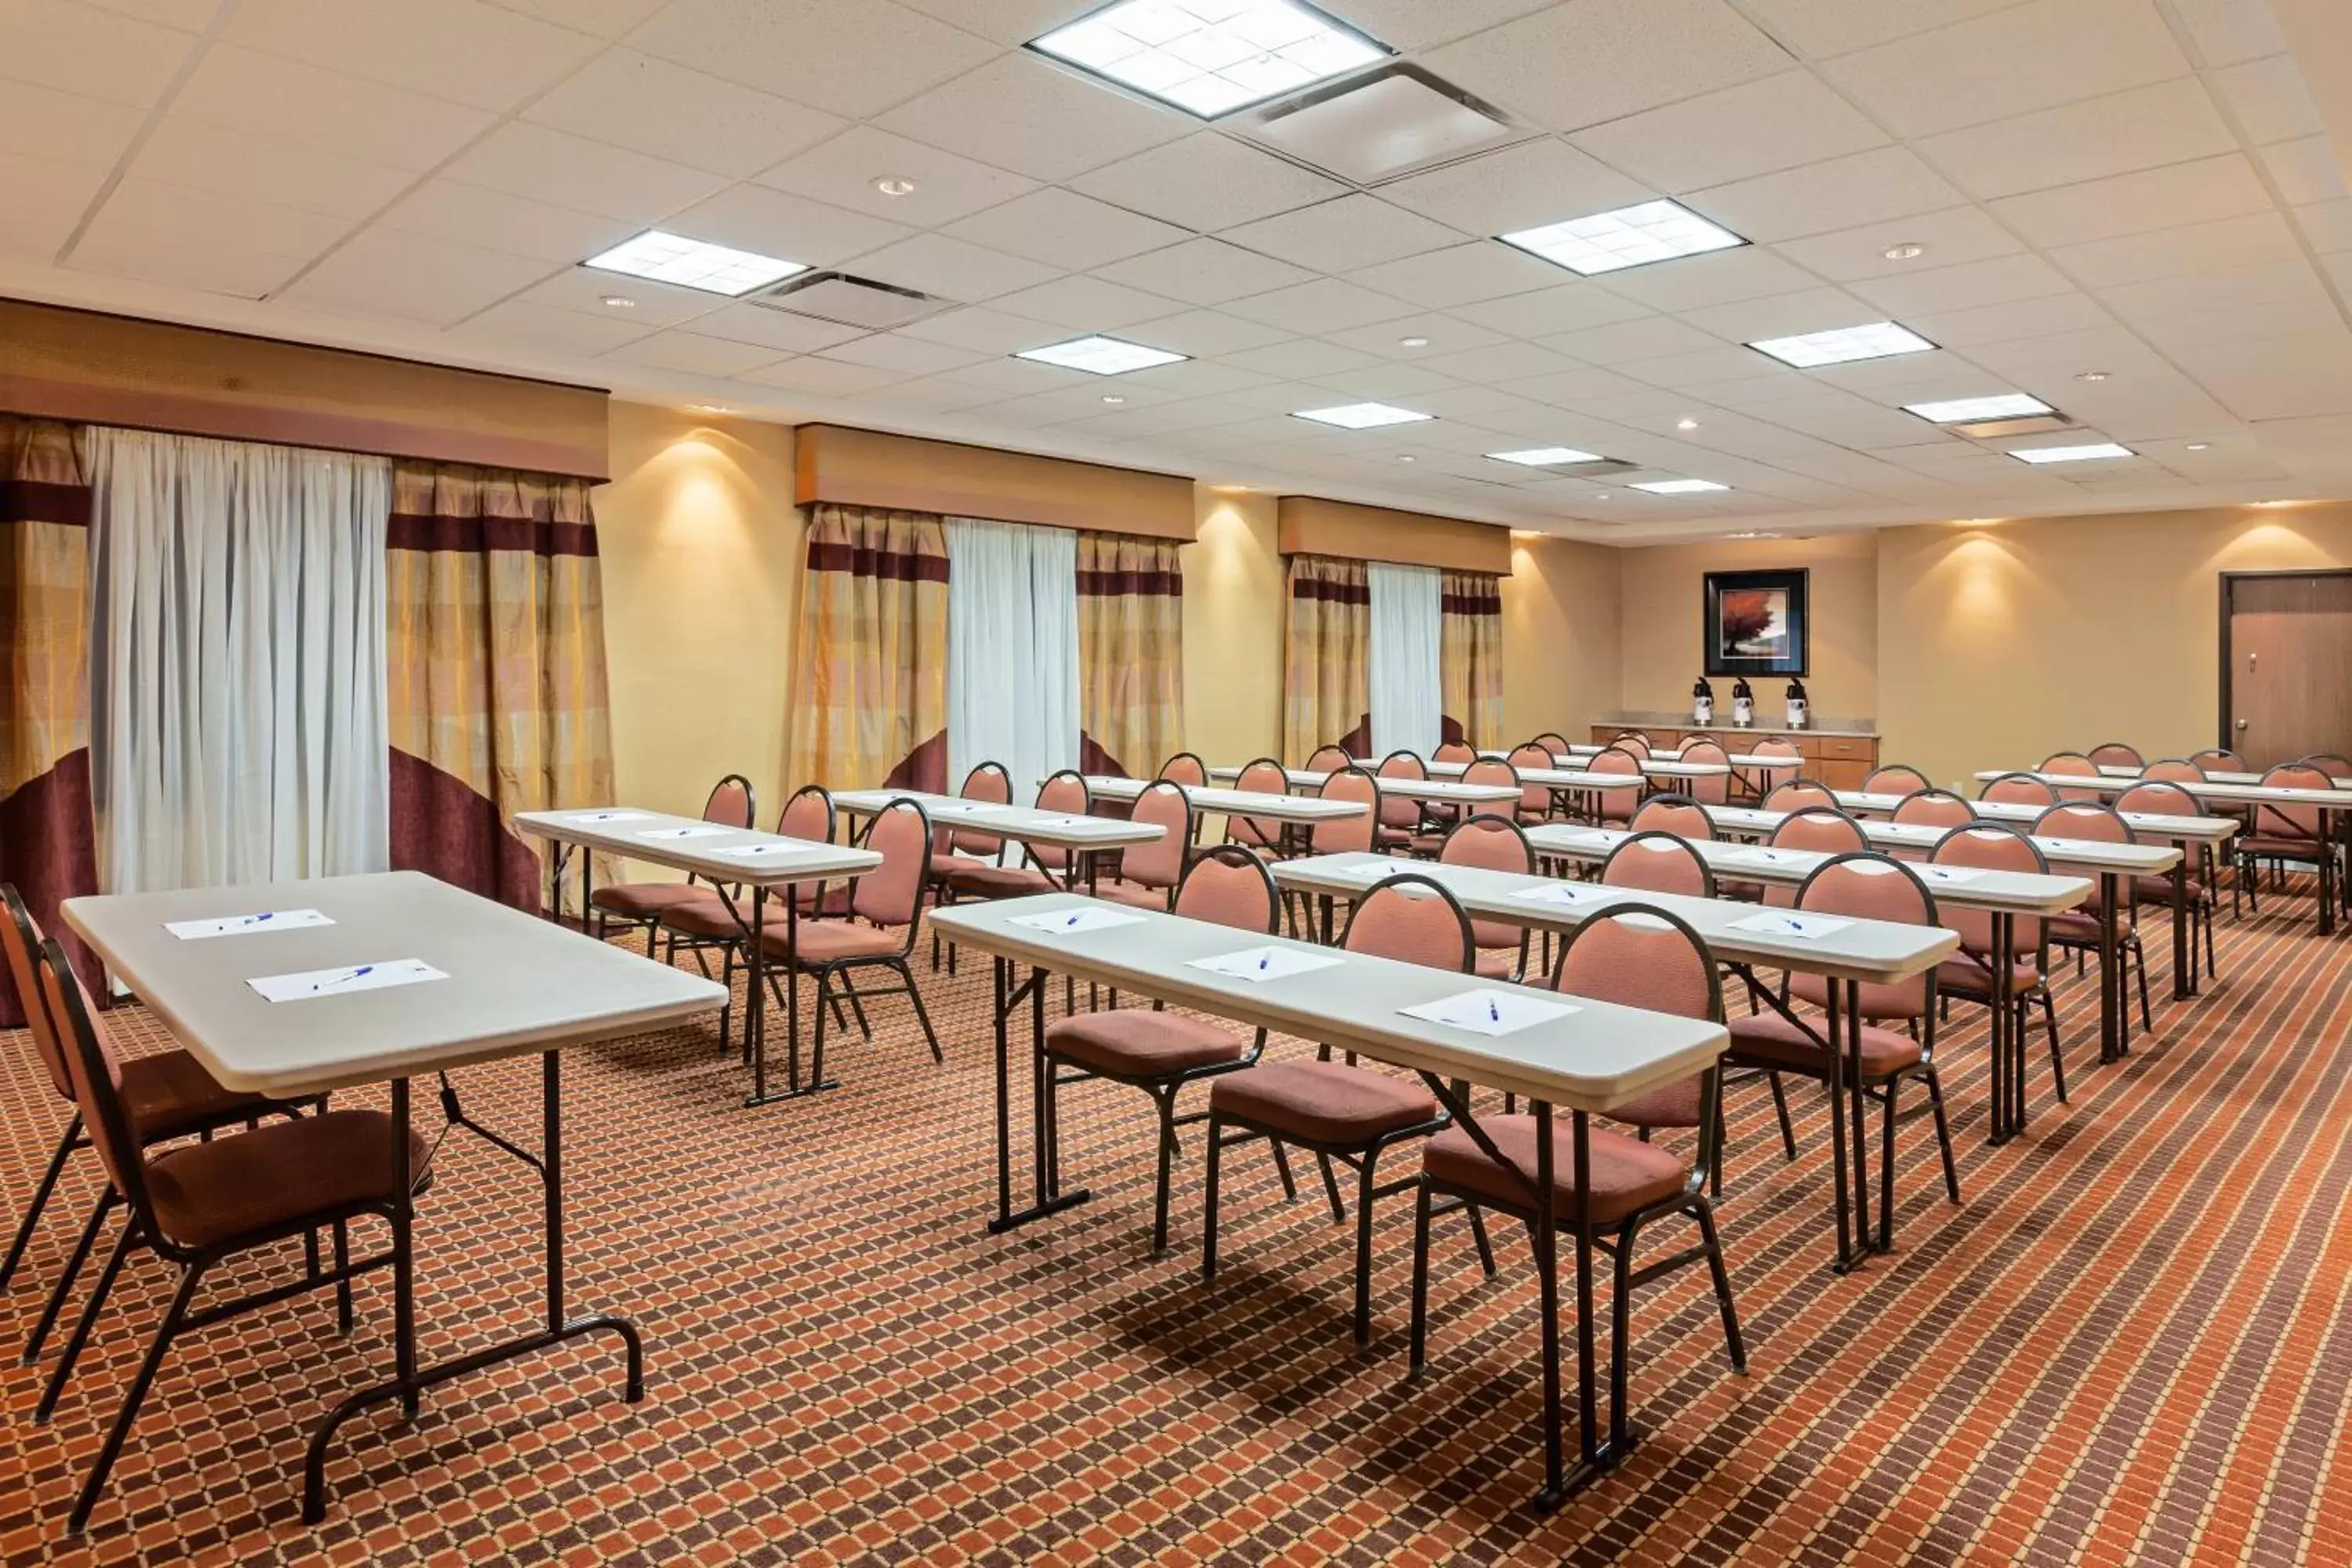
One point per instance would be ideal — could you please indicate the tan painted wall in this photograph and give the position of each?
(1234, 614)
(2004, 642)
(1561, 634)
(1660, 603)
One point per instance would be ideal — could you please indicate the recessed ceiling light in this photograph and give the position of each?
(2271, 503)
(2200, 445)
(2093, 375)
(1960, 410)
(1600, 495)
(1843, 345)
(1629, 236)
(1101, 356)
(1360, 416)
(618, 302)
(1546, 456)
(1686, 423)
(693, 263)
(1113, 397)
(1906, 251)
(1407, 457)
(895, 186)
(2084, 454)
(1752, 533)
(1211, 56)
(1679, 487)
(1413, 343)
(709, 408)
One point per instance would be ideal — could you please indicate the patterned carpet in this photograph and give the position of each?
(2130, 1345)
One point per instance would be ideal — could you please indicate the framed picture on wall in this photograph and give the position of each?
(1756, 623)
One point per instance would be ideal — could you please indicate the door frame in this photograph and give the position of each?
(2228, 663)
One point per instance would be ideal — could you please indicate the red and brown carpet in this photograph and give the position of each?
(2130, 1345)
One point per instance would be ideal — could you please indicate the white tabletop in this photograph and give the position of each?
(1655, 767)
(718, 855)
(516, 983)
(2149, 823)
(1235, 802)
(2212, 775)
(1595, 1058)
(1023, 824)
(1451, 791)
(1878, 950)
(2016, 892)
(2330, 799)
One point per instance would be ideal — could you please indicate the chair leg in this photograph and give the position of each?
(922, 1015)
(1420, 1279)
(66, 1142)
(1282, 1168)
(135, 1395)
(1620, 1335)
(856, 1006)
(1166, 1101)
(64, 1286)
(1781, 1108)
(2057, 1058)
(82, 1325)
(1703, 1212)
(1886, 1168)
(1364, 1249)
(1478, 1233)
(727, 1009)
(1209, 1200)
(1331, 1190)
(2139, 955)
(344, 1320)
(816, 1034)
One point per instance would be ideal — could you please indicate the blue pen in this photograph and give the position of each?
(1071, 922)
(345, 979)
(255, 920)
(1494, 1011)
(1264, 959)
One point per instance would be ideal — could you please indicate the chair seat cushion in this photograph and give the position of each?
(2283, 846)
(706, 917)
(986, 879)
(1322, 1102)
(834, 942)
(2080, 928)
(1627, 1173)
(207, 1193)
(1496, 963)
(1134, 895)
(1674, 1105)
(1139, 1043)
(1771, 1040)
(1385, 837)
(644, 900)
(2158, 890)
(170, 1093)
(1964, 976)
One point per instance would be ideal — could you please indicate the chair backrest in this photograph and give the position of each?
(1553, 743)
(1658, 863)
(1492, 771)
(1711, 789)
(1533, 797)
(1638, 955)
(2158, 797)
(1800, 794)
(1819, 829)
(1676, 813)
(2018, 789)
(1413, 919)
(892, 894)
(2116, 754)
(1634, 742)
(729, 803)
(1498, 844)
(2273, 821)
(1328, 759)
(1995, 847)
(1185, 769)
(809, 815)
(20, 939)
(96, 1070)
(987, 781)
(1065, 792)
(2174, 770)
(1616, 803)
(2219, 759)
(1396, 811)
(1455, 752)
(1788, 758)
(1344, 835)
(1895, 778)
(2072, 764)
(1935, 808)
(1161, 863)
(1230, 885)
(1861, 884)
(2093, 821)
(1263, 776)
(2334, 765)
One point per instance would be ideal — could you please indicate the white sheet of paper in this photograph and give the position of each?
(1760, 855)
(243, 925)
(1780, 922)
(1953, 874)
(1367, 873)
(2074, 845)
(1260, 964)
(958, 807)
(1560, 893)
(705, 831)
(1071, 822)
(768, 851)
(377, 976)
(1072, 922)
(599, 818)
(1491, 1013)
(1601, 837)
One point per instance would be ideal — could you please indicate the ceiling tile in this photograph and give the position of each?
(1018, 375)
(842, 172)
(1825, 27)
(1193, 378)
(1652, 337)
(131, 249)
(1417, 24)
(549, 327)
(822, 377)
(1523, 186)
(1949, 237)
(1324, 305)
(1203, 272)
(1006, 21)
(142, 213)
(230, 163)
(382, 273)
(1301, 359)
(929, 395)
(2069, 313)
(2196, 192)
(890, 351)
(779, 329)
(1207, 181)
(2172, 123)
(460, 49)
(606, 18)
(46, 201)
(76, 48)
(1577, 65)
(1564, 307)
(2276, 282)
(2327, 224)
(1339, 235)
(1971, 283)
(1020, 113)
(793, 229)
(1445, 334)
(38, 122)
(2226, 32)
(1753, 129)
(587, 176)
(694, 354)
(1084, 304)
(1460, 274)
(187, 16)
(1781, 315)
(2269, 101)
(2306, 171)
(1499, 362)
(470, 215)
(2177, 252)
(951, 269)
(1838, 194)
(247, 90)
(2281, 379)
(1718, 279)
(1067, 229)
(2011, 62)
(657, 304)
(1206, 333)
(1387, 381)
(982, 330)
(653, 106)
(854, 60)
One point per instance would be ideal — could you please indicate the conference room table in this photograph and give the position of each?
(1652, 767)
(1084, 838)
(1575, 1054)
(1297, 814)
(1848, 953)
(1439, 792)
(462, 981)
(733, 860)
(2212, 775)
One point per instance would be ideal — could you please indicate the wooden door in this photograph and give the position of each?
(2286, 671)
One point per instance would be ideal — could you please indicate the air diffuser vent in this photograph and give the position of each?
(851, 301)
(1371, 129)
(2032, 425)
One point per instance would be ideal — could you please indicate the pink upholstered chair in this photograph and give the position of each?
(1160, 1052)
(2157, 798)
(1634, 742)
(1676, 813)
(1263, 776)
(1455, 752)
(1185, 769)
(1442, 816)
(1613, 803)
(1553, 742)
(709, 920)
(1537, 802)
(2288, 835)
(1348, 835)
(1695, 738)
(1498, 844)
(2173, 770)
(1895, 778)
(1800, 794)
(956, 848)
(2072, 764)
(1328, 759)
(1400, 818)
(728, 804)
(1898, 1021)
(2219, 759)
(2118, 754)
(1771, 775)
(1968, 976)
(1658, 863)
(1712, 789)
(1149, 873)
(1634, 956)
(2018, 789)
(1816, 831)
(1338, 1110)
(2077, 930)
(2333, 764)
(1935, 808)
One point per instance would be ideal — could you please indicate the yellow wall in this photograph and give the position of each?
(1661, 651)
(1233, 614)
(2006, 642)
(1561, 634)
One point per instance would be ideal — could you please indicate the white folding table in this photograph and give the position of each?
(1441, 792)
(1297, 814)
(1084, 837)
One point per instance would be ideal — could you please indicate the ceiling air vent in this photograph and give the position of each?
(1370, 129)
(851, 301)
(2031, 425)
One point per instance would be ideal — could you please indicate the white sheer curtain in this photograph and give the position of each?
(1012, 651)
(1408, 692)
(238, 666)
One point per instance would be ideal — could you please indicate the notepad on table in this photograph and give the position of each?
(1265, 963)
(1780, 922)
(699, 831)
(599, 818)
(378, 976)
(1073, 923)
(1492, 1013)
(1560, 893)
(768, 851)
(1953, 874)
(241, 925)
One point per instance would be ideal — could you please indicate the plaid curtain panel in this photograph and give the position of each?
(48, 844)
(1131, 652)
(1327, 692)
(495, 643)
(873, 651)
(1470, 657)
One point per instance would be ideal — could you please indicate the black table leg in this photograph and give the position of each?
(2008, 1055)
(1848, 1256)
(1859, 1100)
(2184, 945)
(1547, 1249)
(1046, 1195)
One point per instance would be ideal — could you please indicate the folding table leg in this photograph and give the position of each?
(2184, 939)
(1045, 1198)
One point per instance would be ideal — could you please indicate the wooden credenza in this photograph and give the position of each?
(1840, 761)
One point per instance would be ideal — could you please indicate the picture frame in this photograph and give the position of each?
(1757, 622)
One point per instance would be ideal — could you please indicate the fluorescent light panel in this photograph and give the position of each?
(1101, 356)
(1211, 56)
(2084, 454)
(1679, 487)
(1629, 236)
(1360, 416)
(1965, 410)
(694, 263)
(1843, 345)
(1548, 457)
